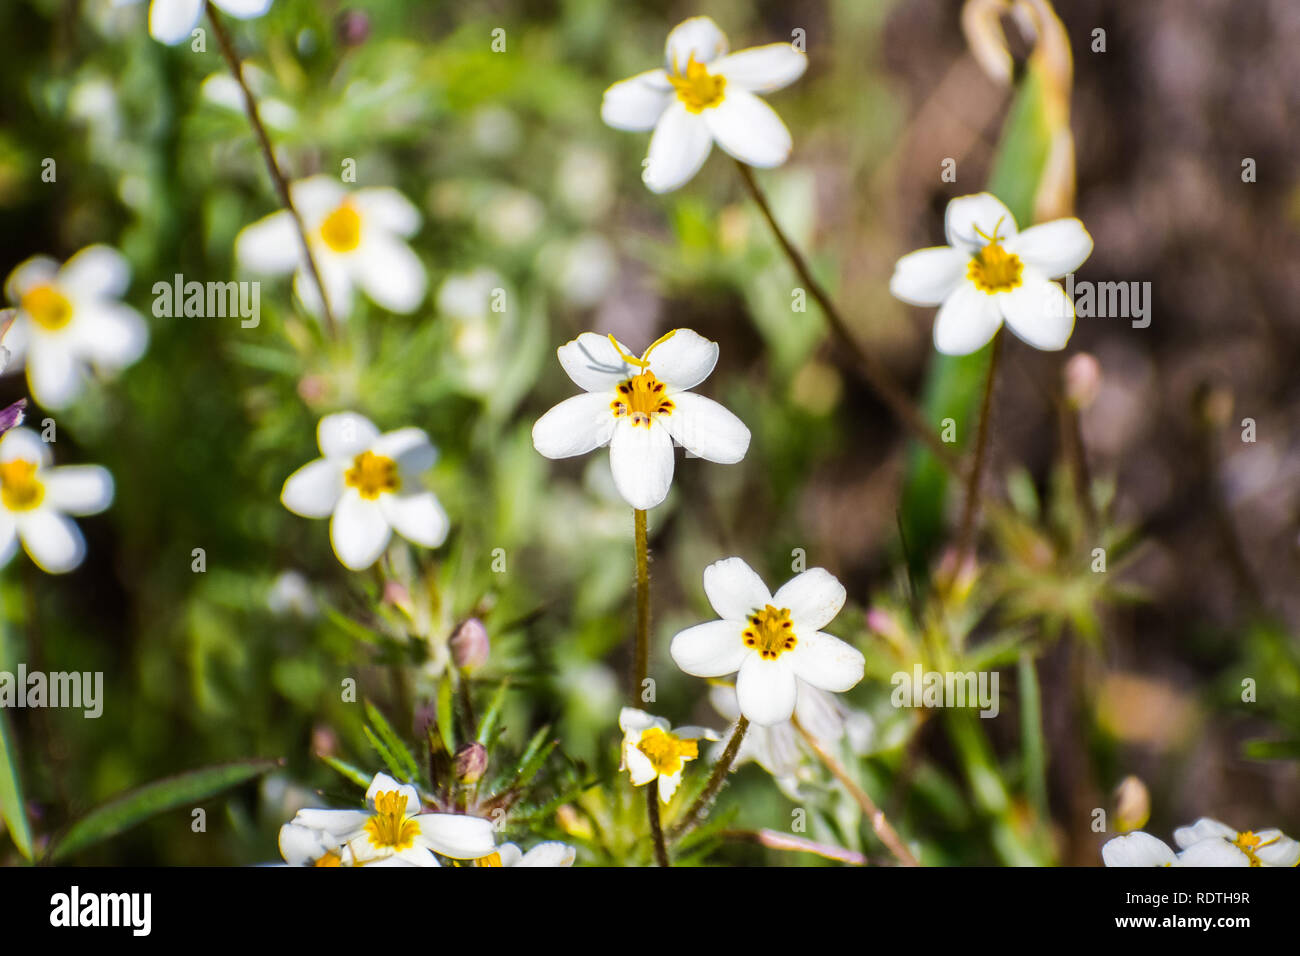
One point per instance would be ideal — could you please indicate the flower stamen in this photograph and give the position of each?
(666, 752)
(640, 398)
(19, 488)
(390, 828)
(770, 632)
(697, 88)
(48, 307)
(341, 229)
(372, 475)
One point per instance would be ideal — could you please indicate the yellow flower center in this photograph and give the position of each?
(770, 632)
(372, 475)
(697, 87)
(1248, 842)
(341, 229)
(641, 398)
(665, 751)
(390, 827)
(492, 859)
(48, 307)
(329, 859)
(993, 269)
(19, 489)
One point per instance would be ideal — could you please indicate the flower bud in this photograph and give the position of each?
(1082, 380)
(352, 27)
(1132, 804)
(470, 645)
(471, 762)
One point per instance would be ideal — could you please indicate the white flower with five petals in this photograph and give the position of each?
(70, 318)
(640, 407)
(990, 273)
(368, 485)
(652, 750)
(391, 832)
(1207, 842)
(357, 239)
(35, 501)
(171, 21)
(770, 641)
(703, 96)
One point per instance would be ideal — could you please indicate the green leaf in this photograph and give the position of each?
(349, 772)
(408, 771)
(488, 725)
(445, 726)
(136, 806)
(12, 809)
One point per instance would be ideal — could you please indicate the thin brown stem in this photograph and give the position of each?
(966, 536)
(656, 829)
(268, 153)
(699, 809)
(884, 830)
(873, 372)
(641, 658)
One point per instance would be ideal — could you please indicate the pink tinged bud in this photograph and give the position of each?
(1082, 375)
(471, 762)
(352, 27)
(470, 645)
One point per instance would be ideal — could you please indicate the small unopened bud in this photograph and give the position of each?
(1132, 804)
(1082, 380)
(352, 27)
(470, 645)
(471, 762)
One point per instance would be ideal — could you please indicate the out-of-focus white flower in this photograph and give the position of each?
(71, 318)
(368, 485)
(703, 96)
(1138, 849)
(35, 501)
(770, 641)
(552, 853)
(170, 21)
(1207, 842)
(357, 240)
(470, 301)
(653, 751)
(990, 272)
(291, 594)
(392, 832)
(639, 407)
(224, 90)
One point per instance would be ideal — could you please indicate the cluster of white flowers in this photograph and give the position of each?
(1206, 842)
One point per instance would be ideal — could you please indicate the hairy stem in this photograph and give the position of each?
(691, 819)
(656, 829)
(268, 153)
(873, 372)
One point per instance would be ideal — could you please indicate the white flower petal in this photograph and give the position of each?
(390, 273)
(410, 448)
(270, 246)
(635, 104)
(928, 276)
(967, 321)
(37, 270)
(383, 783)
(551, 853)
(1277, 849)
(575, 426)
(826, 662)
(678, 148)
(300, 845)
(683, 358)
(1053, 248)
(345, 434)
(243, 9)
(358, 531)
(969, 216)
(638, 766)
(1038, 311)
(338, 285)
(337, 823)
(412, 856)
(457, 835)
(593, 362)
(1137, 849)
(698, 38)
(705, 428)
(316, 197)
(314, 489)
(734, 589)
(765, 690)
(98, 272)
(1214, 852)
(814, 597)
(416, 517)
(52, 540)
(763, 69)
(713, 649)
(387, 208)
(78, 489)
(170, 21)
(53, 373)
(668, 784)
(641, 458)
(509, 854)
(25, 444)
(110, 334)
(749, 129)
(1206, 828)
(8, 538)
(632, 720)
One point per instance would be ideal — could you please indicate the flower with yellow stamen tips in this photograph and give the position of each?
(368, 485)
(640, 407)
(1207, 842)
(70, 319)
(771, 642)
(990, 272)
(392, 832)
(357, 239)
(702, 96)
(652, 750)
(35, 501)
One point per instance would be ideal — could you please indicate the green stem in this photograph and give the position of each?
(967, 533)
(700, 807)
(656, 828)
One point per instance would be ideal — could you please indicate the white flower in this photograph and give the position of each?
(544, 854)
(35, 501)
(393, 832)
(639, 407)
(357, 239)
(704, 96)
(72, 317)
(990, 272)
(368, 485)
(652, 750)
(770, 642)
(1208, 842)
(1138, 849)
(170, 21)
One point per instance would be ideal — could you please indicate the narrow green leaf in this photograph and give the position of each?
(12, 808)
(488, 725)
(136, 806)
(386, 756)
(1031, 734)
(349, 772)
(396, 746)
(445, 726)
